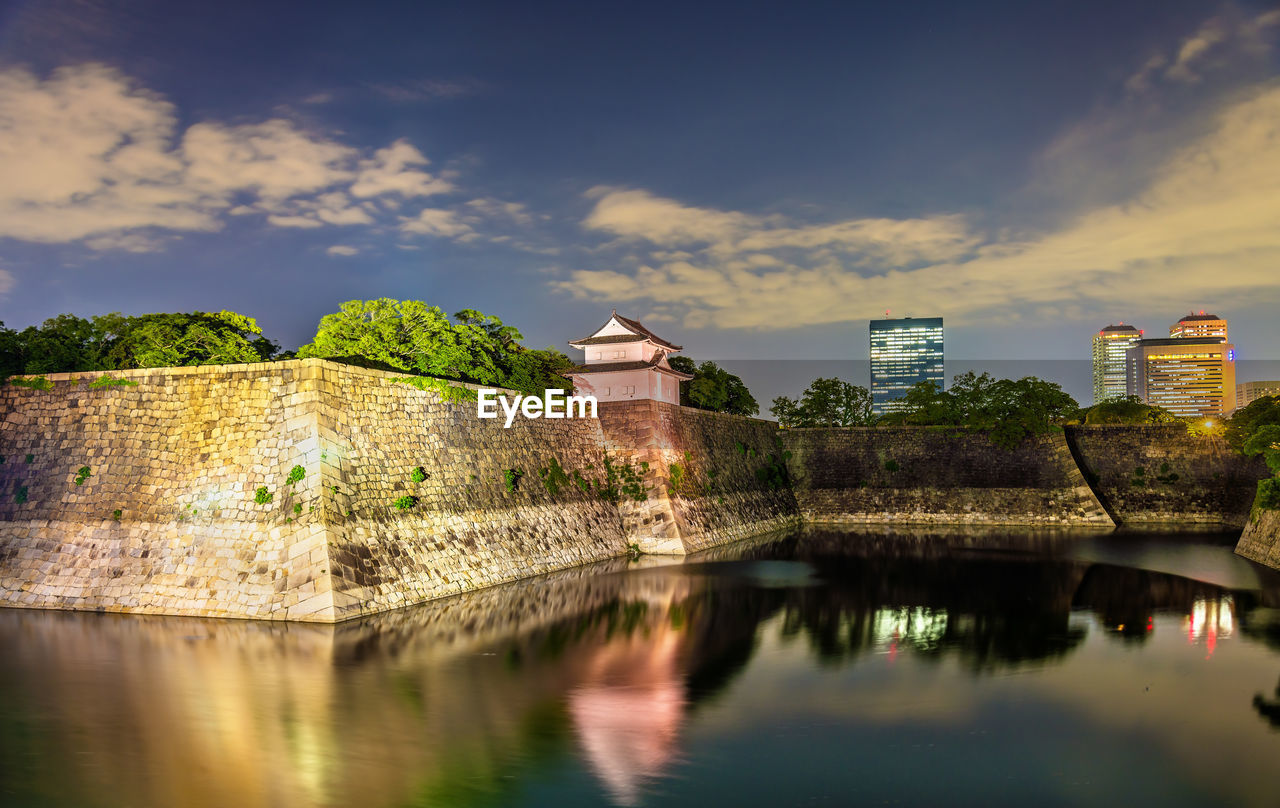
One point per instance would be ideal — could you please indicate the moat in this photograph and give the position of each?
(824, 666)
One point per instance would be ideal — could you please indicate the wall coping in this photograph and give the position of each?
(262, 368)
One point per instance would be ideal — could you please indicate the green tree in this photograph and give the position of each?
(1266, 442)
(61, 344)
(1241, 426)
(1126, 410)
(825, 402)
(713, 388)
(12, 359)
(413, 337)
(180, 338)
(1009, 410)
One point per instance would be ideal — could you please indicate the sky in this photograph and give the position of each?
(752, 181)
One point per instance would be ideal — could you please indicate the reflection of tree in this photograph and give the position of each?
(1268, 709)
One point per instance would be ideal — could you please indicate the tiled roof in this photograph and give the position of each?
(604, 340)
(634, 326)
(609, 367)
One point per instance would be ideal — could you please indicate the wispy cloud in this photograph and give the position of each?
(1214, 44)
(342, 250)
(417, 91)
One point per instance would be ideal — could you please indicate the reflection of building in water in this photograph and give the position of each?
(628, 712)
(1209, 620)
(916, 627)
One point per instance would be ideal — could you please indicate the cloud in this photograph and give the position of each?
(675, 228)
(342, 249)
(1195, 48)
(1217, 43)
(126, 242)
(393, 171)
(88, 155)
(438, 222)
(1208, 217)
(499, 209)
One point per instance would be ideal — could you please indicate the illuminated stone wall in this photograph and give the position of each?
(180, 457)
(929, 475)
(1164, 475)
(1260, 540)
(708, 474)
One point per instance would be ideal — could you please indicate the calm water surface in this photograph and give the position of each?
(823, 667)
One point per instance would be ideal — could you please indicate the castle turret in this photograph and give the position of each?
(625, 361)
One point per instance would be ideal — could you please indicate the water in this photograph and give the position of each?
(826, 667)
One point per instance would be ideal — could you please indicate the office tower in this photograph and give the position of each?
(1110, 349)
(1189, 376)
(1248, 392)
(904, 352)
(1199, 325)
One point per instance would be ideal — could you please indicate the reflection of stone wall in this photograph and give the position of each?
(930, 475)
(704, 475)
(1163, 475)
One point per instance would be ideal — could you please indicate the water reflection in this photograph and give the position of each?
(559, 689)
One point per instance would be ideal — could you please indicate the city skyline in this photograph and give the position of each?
(761, 193)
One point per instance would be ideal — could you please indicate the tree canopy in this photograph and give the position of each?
(115, 341)
(411, 336)
(1008, 409)
(1255, 430)
(713, 388)
(825, 402)
(1126, 410)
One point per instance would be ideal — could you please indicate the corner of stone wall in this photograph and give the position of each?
(1260, 540)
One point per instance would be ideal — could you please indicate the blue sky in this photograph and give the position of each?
(750, 180)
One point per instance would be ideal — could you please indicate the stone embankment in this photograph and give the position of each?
(1260, 540)
(1162, 475)
(311, 490)
(937, 475)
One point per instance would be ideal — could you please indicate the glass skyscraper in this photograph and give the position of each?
(904, 352)
(1110, 349)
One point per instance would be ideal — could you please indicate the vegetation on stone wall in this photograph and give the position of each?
(614, 481)
(104, 382)
(263, 496)
(30, 382)
(447, 391)
(82, 474)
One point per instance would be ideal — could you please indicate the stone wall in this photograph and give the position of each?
(708, 475)
(1260, 540)
(934, 475)
(1163, 475)
(166, 521)
(180, 456)
(469, 528)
